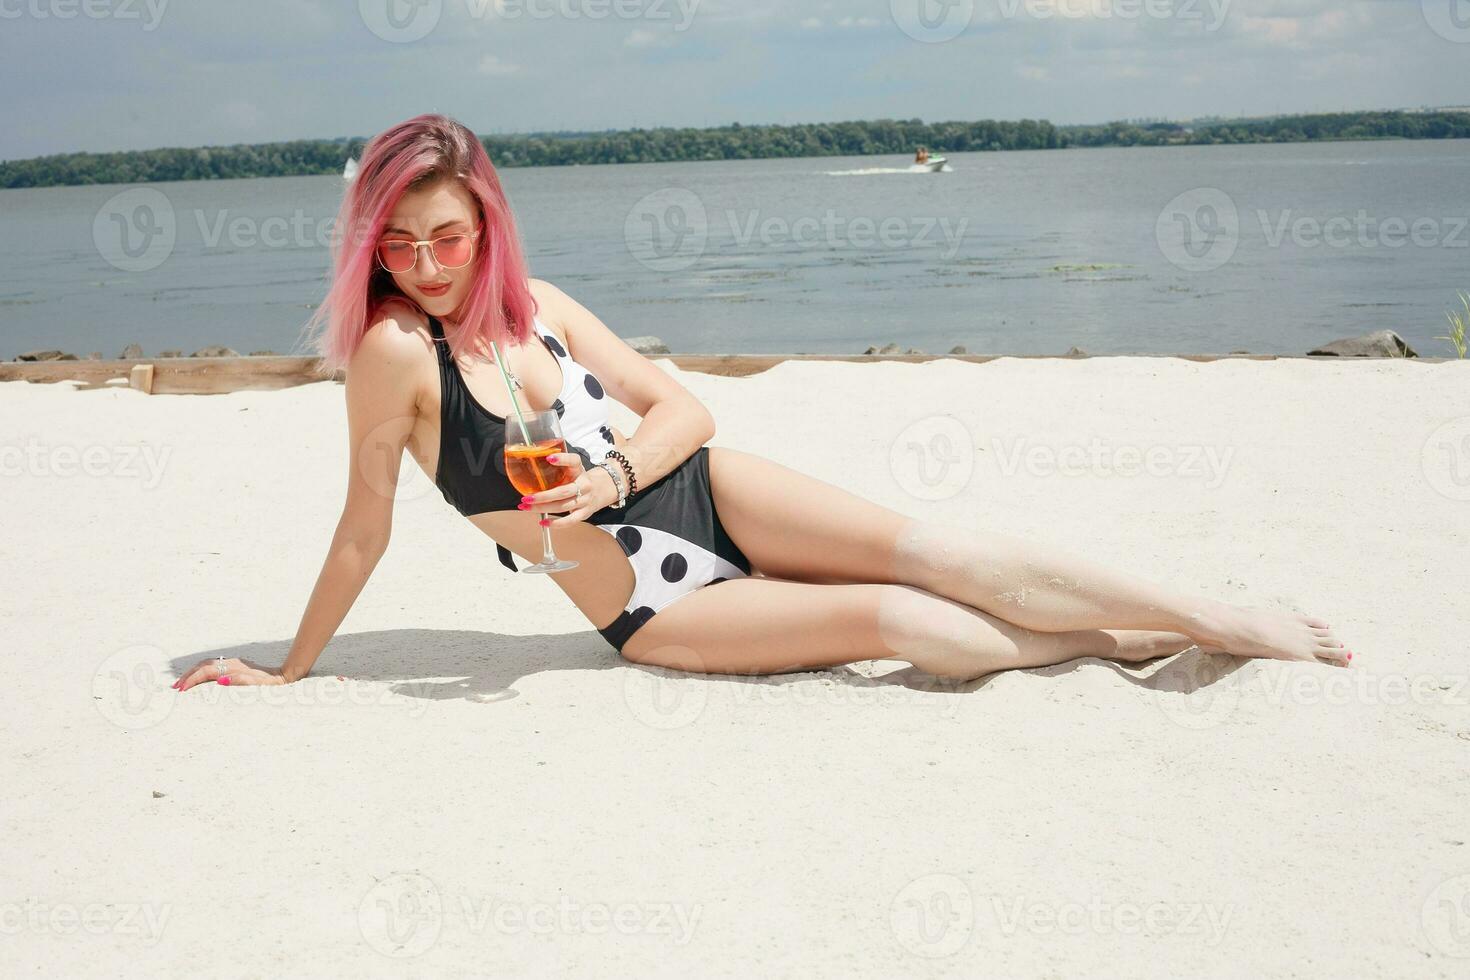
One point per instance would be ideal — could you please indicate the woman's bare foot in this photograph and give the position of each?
(1251, 631)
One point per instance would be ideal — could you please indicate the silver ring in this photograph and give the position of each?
(219, 662)
(579, 495)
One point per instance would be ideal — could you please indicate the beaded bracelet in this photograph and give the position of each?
(627, 466)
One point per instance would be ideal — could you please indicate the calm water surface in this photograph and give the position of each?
(1272, 249)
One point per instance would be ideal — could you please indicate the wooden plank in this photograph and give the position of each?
(178, 375)
(215, 375)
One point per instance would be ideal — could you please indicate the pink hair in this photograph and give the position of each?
(414, 154)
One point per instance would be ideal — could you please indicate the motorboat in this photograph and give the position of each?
(932, 165)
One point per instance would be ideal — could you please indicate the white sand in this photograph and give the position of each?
(492, 791)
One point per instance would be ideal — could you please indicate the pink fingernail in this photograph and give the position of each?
(545, 521)
(225, 681)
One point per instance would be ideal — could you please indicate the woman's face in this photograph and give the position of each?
(443, 208)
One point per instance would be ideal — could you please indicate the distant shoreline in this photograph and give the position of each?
(871, 138)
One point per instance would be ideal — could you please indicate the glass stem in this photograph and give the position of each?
(547, 555)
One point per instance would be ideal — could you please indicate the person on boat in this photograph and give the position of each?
(691, 557)
(922, 156)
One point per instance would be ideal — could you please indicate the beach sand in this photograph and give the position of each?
(491, 791)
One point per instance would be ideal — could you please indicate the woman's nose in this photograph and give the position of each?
(426, 250)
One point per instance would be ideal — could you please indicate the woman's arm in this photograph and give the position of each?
(674, 422)
(382, 397)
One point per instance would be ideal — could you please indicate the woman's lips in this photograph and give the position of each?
(435, 290)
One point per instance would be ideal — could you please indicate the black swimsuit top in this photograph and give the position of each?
(471, 469)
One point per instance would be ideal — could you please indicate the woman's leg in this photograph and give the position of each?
(806, 626)
(798, 527)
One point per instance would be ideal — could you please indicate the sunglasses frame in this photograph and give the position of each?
(474, 240)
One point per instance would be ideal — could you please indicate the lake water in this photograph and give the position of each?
(1272, 248)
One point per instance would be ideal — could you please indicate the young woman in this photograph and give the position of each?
(718, 560)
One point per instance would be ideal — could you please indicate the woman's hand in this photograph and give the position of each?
(235, 672)
(596, 486)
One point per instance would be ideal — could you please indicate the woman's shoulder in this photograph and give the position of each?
(397, 330)
(549, 307)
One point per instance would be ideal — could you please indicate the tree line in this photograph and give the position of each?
(734, 142)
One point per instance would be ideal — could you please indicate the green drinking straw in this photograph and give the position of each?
(525, 432)
(520, 419)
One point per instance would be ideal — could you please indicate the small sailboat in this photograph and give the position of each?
(350, 171)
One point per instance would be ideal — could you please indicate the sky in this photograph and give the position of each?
(100, 75)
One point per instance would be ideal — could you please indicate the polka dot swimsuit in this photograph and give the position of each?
(669, 530)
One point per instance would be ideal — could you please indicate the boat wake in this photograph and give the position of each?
(866, 171)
